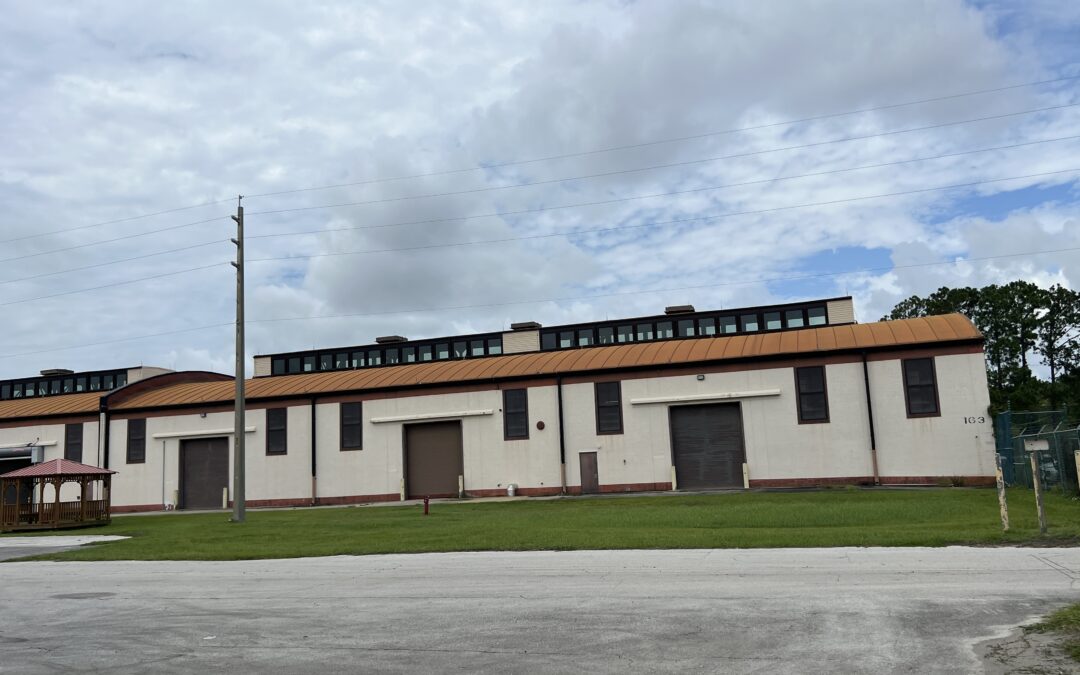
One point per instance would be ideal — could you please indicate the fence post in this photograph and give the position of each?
(1035, 479)
(1002, 505)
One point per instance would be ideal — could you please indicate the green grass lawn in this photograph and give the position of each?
(842, 517)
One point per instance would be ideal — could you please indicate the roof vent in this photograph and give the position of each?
(57, 371)
(390, 339)
(524, 325)
(679, 309)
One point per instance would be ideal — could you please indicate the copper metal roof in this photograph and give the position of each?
(69, 404)
(907, 332)
(57, 467)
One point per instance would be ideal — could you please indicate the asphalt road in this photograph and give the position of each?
(757, 611)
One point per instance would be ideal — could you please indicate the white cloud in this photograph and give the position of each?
(114, 110)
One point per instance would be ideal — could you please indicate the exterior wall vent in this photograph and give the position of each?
(679, 309)
(390, 339)
(56, 371)
(525, 325)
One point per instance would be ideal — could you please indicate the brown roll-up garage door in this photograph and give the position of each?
(707, 446)
(433, 459)
(204, 472)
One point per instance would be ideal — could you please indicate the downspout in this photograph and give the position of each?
(562, 437)
(103, 437)
(870, 419)
(314, 484)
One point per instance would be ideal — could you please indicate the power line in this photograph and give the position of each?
(145, 233)
(112, 285)
(669, 165)
(804, 277)
(745, 282)
(113, 222)
(618, 200)
(114, 262)
(488, 167)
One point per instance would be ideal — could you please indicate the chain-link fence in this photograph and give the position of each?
(1057, 464)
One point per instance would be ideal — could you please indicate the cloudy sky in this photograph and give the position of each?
(434, 168)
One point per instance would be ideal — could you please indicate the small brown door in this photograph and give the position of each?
(433, 459)
(204, 472)
(590, 477)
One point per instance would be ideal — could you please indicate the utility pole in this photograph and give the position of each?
(238, 513)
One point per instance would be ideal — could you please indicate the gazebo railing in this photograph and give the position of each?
(53, 513)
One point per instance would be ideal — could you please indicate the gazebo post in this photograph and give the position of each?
(82, 499)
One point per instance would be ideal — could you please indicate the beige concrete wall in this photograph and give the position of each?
(947, 445)
(840, 311)
(263, 366)
(518, 341)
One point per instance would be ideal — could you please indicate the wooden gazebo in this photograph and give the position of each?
(23, 503)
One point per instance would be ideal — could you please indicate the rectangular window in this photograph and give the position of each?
(277, 431)
(920, 388)
(644, 331)
(54, 387)
(18, 391)
(136, 441)
(707, 326)
(625, 334)
(794, 318)
(442, 351)
(547, 341)
(812, 394)
(749, 322)
(461, 349)
(95, 383)
(43, 388)
(585, 337)
(515, 413)
(408, 354)
(73, 441)
(608, 408)
(664, 330)
(326, 361)
(392, 355)
(728, 325)
(80, 384)
(374, 358)
(28, 389)
(817, 316)
(341, 360)
(772, 321)
(566, 339)
(309, 364)
(476, 348)
(494, 346)
(294, 365)
(5, 391)
(357, 360)
(352, 426)
(686, 328)
(277, 367)
(69, 385)
(606, 335)
(426, 353)
(121, 379)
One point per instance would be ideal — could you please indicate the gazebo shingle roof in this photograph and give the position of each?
(57, 467)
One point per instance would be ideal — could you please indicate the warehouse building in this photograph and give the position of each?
(779, 396)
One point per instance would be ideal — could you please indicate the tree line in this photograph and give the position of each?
(1022, 324)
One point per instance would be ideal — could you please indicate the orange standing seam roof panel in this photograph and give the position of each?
(906, 332)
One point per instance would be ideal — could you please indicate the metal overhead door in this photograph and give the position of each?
(433, 459)
(204, 472)
(707, 446)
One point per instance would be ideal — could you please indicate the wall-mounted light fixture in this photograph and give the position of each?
(700, 378)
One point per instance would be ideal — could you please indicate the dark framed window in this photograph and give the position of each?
(707, 326)
(461, 349)
(5, 391)
(426, 352)
(277, 431)
(625, 334)
(408, 354)
(772, 321)
(277, 367)
(515, 413)
(609, 408)
(812, 394)
(442, 351)
(606, 335)
(494, 346)
(326, 361)
(794, 318)
(136, 441)
(547, 341)
(476, 347)
(644, 331)
(341, 360)
(566, 339)
(664, 330)
(309, 364)
(749, 322)
(73, 435)
(374, 357)
(816, 316)
(920, 388)
(585, 337)
(352, 426)
(357, 360)
(294, 364)
(392, 356)
(686, 328)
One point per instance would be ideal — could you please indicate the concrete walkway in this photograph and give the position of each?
(735, 611)
(19, 547)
